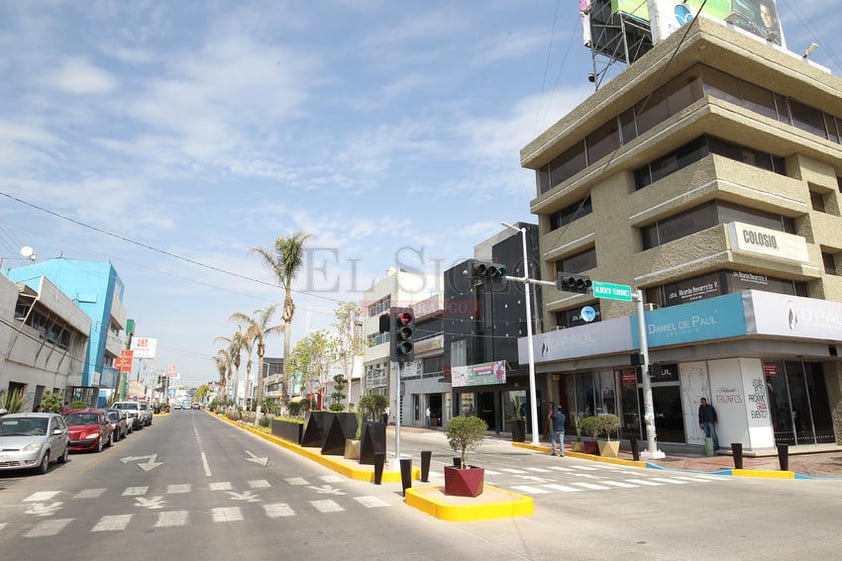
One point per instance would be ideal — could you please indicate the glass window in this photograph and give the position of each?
(567, 164)
(829, 262)
(571, 213)
(628, 128)
(603, 141)
(759, 100)
(807, 118)
(721, 85)
(577, 263)
(817, 201)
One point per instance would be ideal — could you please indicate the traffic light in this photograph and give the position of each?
(570, 282)
(402, 335)
(484, 270)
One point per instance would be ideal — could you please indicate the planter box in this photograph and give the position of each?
(578, 446)
(591, 447)
(609, 448)
(288, 430)
(329, 431)
(518, 430)
(373, 440)
(352, 449)
(466, 482)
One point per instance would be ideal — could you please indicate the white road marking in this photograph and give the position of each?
(296, 481)
(559, 468)
(668, 480)
(563, 488)
(89, 494)
(538, 470)
(179, 488)
(259, 484)
(622, 484)
(327, 506)
(591, 486)
(172, 518)
(530, 489)
(112, 523)
(227, 514)
(644, 482)
(135, 491)
(220, 486)
(371, 502)
(41, 496)
(332, 478)
(206, 465)
(48, 528)
(278, 510)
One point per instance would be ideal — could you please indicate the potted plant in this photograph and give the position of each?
(606, 424)
(464, 434)
(590, 428)
(517, 422)
(578, 446)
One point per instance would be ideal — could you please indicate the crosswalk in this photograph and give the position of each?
(44, 512)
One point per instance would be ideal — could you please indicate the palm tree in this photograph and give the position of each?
(285, 260)
(223, 364)
(257, 329)
(235, 346)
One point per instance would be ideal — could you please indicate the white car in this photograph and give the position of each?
(32, 441)
(146, 409)
(136, 415)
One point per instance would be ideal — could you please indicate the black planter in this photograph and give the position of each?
(372, 441)
(328, 430)
(288, 430)
(519, 430)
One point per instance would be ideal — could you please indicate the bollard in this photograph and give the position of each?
(406, 474)
(737, 451)
(457, 462)
(783, 456)
(635, 448)
(426, 455)
(708, 446)
(379, 460)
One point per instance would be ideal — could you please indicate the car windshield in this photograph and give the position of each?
(113, 416)
(82, 419)
(125, 405)
(17, 426)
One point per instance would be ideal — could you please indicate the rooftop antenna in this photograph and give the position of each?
(28, 252)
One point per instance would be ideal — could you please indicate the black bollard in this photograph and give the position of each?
(379, 460)
(457, 462)
(406, 474)
(635, 448)
(783, 456)
(426, 455)
(737, 451)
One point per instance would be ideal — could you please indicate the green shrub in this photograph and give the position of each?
(11, 401)
(608, 423)
(590, 426)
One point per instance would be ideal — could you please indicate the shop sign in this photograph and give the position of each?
(767, 243)
(479, 374)
(770, 369)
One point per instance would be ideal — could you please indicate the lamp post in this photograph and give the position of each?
(533, 399)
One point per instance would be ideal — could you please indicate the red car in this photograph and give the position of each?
(89, 429)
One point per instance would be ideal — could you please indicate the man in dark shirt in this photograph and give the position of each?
(708, 422)
(556, 426)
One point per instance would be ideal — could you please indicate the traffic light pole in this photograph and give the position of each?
(651, 451)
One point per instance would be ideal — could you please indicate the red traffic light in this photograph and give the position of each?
(404, 318)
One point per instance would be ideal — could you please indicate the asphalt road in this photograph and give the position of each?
(191, 487)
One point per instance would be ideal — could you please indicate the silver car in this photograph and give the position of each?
(32, 441)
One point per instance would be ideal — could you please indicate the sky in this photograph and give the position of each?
(170, 138)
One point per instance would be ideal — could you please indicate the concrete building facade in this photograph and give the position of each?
(707, 175)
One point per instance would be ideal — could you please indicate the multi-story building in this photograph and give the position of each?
(98, 291)
(43, 340)
(482, 321)
(707, 175)
(424, 385)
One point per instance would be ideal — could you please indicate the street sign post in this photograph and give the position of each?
(612, 291)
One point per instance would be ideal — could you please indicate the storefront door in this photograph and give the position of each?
(798, 402)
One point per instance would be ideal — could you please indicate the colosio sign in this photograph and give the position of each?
(771, 244)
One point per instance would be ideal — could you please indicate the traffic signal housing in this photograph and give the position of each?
(571, 282)
(487, 271)
(402, 334)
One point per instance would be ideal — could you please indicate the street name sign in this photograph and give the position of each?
(611, 291)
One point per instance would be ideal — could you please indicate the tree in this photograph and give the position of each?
(310, 359)
(337, 396)
(257, 329)
(223, 365)
(284, 260)
(235, 346)
(348, 344)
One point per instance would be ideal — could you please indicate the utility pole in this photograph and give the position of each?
(651, 451)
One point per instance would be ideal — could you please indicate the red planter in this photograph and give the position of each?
(466, 482)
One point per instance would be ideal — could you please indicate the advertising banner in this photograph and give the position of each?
(144, 347)
(758, 17)
(479, 374)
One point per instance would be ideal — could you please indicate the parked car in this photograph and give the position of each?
(88, 430)
(119, 420)
(132, 408)
(147, 413)
(32, 441)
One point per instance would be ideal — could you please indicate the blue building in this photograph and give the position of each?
(98, 291)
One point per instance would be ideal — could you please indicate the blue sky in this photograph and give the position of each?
(388, 131)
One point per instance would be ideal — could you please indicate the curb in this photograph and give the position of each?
(503, 504)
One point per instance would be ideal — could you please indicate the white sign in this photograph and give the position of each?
(144, 347)
(794, 316)
(764, 242)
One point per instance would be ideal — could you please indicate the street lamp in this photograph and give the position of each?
(533, 399)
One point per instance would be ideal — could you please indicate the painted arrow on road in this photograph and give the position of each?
(255, 459)
(152, 503)
(244, 496)
(41, 509)
(150, 461)
(326, 490)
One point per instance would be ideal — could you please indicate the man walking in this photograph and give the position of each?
(708, 422)
(556, 423)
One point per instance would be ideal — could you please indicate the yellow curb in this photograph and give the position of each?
(492, 503)
(583, 456)
(344, 469)
(763, 473)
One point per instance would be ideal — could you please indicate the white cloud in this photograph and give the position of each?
(78, 76)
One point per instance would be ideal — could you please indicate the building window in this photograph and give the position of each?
(706, 215)
(718, 283)
(829, 261)
(817, 201)
(569, 214)
(578, 263)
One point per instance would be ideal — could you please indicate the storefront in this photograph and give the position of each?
(767, 362)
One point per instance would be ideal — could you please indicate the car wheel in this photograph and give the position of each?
(44, 465)
(111, 440)
(63, 458)
(99, 444)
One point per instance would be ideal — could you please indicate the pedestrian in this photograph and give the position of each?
(708, 421)
(386, 416)
(555, 424)
(428, 419)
